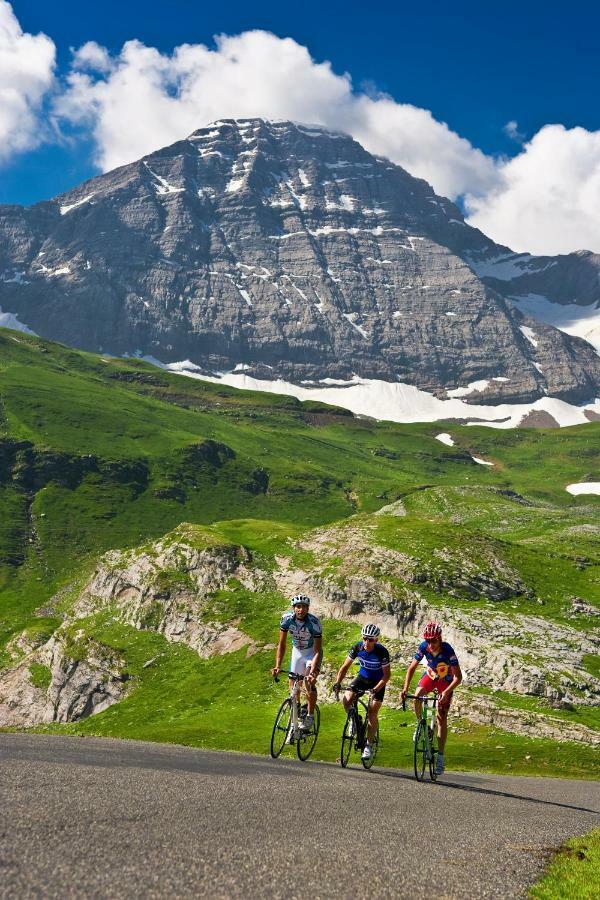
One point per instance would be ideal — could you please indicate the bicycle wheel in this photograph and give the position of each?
(433, 753)
(367, 763)
(420, 752)
(307, 740)
(281, 728)
(348, 738)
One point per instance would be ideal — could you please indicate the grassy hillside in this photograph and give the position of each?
(98, 453)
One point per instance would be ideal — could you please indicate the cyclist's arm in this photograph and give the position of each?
(279, 653)
(456, 679)
(387, 671)
(409, 675)
(343, 669)
(315, 665)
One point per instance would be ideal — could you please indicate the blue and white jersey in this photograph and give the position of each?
(303, 632)
(371, 661)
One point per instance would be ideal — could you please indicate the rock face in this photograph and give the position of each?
(292, 252)
(166, 589)
(161, 588)
(170, 587)
(77, 685)
(520, 654)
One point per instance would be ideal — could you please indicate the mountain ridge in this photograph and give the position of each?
(291, 251)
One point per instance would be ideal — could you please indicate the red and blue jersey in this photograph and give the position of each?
(438, 666)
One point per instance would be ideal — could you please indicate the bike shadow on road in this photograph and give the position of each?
(491, 792)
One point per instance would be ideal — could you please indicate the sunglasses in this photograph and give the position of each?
(369, 639)
(300, 605)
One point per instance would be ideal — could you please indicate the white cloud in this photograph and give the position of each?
(511, 130)
(92, 56)
(26, 76)
(547, 200)
(544, 200)
(142, 100)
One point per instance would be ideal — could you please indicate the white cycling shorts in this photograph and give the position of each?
(301, 660)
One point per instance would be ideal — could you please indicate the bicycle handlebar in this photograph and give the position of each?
(425, 698)
(290, 675)
(348, 687)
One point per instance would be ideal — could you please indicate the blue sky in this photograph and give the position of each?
(475, 66)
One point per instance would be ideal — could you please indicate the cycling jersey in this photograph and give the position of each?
(438, 667)
(303, 632)
(371, 661)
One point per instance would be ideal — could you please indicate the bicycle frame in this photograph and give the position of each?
(360, 725)
(427, 721)
(291, 732)
(295, 690)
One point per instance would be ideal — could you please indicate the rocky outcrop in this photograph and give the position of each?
(521, 654)
(78, 685)
(482, 710)
(287, 251)
(170, 587)
(365, 565)
(165, 588)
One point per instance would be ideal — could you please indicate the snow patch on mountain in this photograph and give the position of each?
(10, 320)
(573, 319)
(529, 333)
(65, 209)
(584, 487)
(397, 402)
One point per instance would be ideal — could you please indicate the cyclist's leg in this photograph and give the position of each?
(442, 723)
(374, 707)
(357, 684)
(310, 689)
(348, 699)
(425, 686)
(298, 666)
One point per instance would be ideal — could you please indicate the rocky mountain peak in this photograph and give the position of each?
(289, 251)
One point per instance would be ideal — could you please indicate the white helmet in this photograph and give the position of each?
(300, 598)
(371, 631)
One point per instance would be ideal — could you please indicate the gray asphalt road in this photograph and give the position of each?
(97, 818)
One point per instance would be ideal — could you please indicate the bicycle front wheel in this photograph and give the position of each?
(420, 752)
(348, 738)
(281, 728)
(433, 753)
(368, 763)
(307, 740)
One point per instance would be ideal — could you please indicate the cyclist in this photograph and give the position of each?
(443, 675)
(307, 640)
(373, 675)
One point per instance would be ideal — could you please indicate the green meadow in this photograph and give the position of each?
(100, 453)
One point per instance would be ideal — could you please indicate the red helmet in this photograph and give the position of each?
(431, 631)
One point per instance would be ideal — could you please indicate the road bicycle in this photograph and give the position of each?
(425, 749)
(290, 715)
(356, 726)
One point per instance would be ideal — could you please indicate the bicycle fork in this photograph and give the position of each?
(294, 718)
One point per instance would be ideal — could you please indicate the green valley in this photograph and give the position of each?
(152, 527)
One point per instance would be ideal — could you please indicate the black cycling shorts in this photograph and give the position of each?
(360, 683)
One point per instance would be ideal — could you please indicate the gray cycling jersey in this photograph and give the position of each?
(304, 632)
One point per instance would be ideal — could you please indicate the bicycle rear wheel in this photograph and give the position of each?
(307, 740)
(348, 738)
(420, 752)
(281, 728)
(433, 753)
(368, 763)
